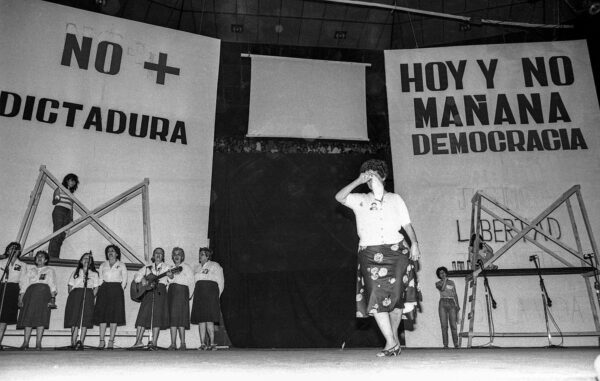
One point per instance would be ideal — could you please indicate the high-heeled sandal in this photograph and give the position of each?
(182, 347)
(111, 344)
(393, 351)
(202, 347)
(101, 345)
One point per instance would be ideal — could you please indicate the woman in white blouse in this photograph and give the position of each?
(384, 256)
(83, 285)
(179, 298)
(36, 298)
(206, 308)
(13, 272)
(110, 303)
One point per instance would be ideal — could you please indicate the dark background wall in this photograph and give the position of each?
(287, 247)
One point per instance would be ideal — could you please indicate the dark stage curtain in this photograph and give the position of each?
(288, 250)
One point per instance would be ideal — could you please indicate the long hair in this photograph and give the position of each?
(65, 182)
(91, 266)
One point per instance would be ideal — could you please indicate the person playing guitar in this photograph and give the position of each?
(149, 287)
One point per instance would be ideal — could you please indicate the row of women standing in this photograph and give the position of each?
(96, 296)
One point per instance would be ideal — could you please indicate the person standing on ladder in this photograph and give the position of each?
(62, 214)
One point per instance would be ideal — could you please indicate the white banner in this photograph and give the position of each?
(311, 99)
(113, 101)
(519, 121)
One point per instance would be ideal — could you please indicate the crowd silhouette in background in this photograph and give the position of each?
(266, 145)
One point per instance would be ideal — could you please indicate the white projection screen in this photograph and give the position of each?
(311, 99)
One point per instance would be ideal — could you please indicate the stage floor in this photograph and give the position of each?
(291, 364)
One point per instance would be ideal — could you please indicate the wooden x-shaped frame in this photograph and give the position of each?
(532, 225)
(87, 217)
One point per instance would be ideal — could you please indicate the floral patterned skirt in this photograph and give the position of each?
(382, 279)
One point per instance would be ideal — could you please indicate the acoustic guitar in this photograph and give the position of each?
(137, 290)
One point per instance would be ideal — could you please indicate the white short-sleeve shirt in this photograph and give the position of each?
(378, 221)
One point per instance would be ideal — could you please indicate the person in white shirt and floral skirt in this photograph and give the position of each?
(180, 284)
(206, 308)
(83, 286)
(110, 301)
(384, 257)
(37, 297)
(9, 288)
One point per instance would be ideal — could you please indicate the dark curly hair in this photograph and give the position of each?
(117, 250)
(15, 245)
(376, 165)
(65, 182)
(46, 256)
(442, 268)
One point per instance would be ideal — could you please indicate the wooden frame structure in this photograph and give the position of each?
(87, 216)
(588, 269)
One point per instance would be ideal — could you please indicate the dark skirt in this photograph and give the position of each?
(10, 307)
(179, 305)
(110, 304)
(382, 279)
(73, 308)
(206, 306)
(35, 311)
(160, 317)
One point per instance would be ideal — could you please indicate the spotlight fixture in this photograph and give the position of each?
(340, 35)
(237, 28)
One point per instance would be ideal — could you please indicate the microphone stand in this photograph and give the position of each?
(4, 281)
(151, 346)
(79, 342)
(490, 304)
(546, 301)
